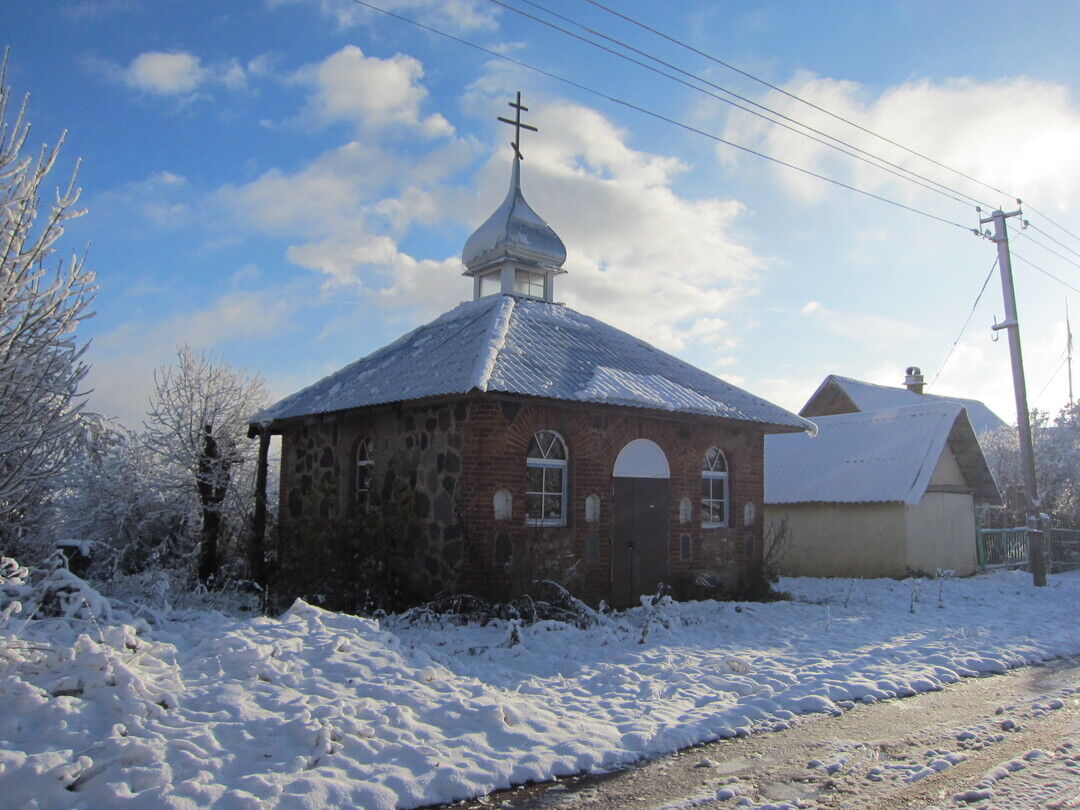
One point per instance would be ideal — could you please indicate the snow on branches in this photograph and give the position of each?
(41, 365)
(197, 426)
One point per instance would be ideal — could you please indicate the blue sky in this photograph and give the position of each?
(289, 182)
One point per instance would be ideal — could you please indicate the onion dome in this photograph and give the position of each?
(514, 232)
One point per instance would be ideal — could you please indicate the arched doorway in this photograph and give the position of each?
(639, 543)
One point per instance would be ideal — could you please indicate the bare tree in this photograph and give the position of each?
(41, 366)
(197, 426)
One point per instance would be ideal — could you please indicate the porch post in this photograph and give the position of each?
(258, 534)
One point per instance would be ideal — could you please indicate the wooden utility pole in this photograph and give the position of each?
(1036, 549)
(1068, 348)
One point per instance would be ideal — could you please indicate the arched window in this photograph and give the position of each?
(715, 495)
(365, 468)
(545, 480)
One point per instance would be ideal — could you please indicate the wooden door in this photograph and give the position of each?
(639, 549)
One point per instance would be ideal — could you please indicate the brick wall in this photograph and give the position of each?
(497, 435)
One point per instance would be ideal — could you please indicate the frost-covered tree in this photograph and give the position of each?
(41, 304)
(1057, 465)
(113, 497)
(197, 428)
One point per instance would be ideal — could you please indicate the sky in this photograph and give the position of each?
(287, 184)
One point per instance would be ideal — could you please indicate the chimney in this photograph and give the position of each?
(914, 380)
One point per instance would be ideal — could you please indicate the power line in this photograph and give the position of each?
(1052, 378)
(660, 117)
(800, 99)
(1057, 225)
(810, 104)
(1049, 249)
(857, 153)
(1045, 272)
(966, 322)
(1052, 239)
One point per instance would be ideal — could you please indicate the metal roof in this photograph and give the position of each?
(879, 456)
(870, 397)
(514, 231)
(516, 345)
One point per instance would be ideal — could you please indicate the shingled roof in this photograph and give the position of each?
(516, 345)
(881, 456)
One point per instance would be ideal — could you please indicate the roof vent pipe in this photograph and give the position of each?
(914, 380)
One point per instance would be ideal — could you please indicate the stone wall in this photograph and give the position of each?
(416, 451)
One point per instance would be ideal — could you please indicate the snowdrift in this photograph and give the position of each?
(320, 709)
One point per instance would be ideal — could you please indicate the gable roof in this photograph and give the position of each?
(877, 456)
(866, 396)
(521, 346)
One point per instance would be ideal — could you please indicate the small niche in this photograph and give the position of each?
(686, 511)
(504, 504)
(592, 508)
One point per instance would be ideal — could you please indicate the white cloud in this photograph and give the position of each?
(177, 73)
(369, 92)
(459, 15)
(123, 361)
(862, 326)
(165, 73)
(159, 199)
(633, 239)
(1018, 134)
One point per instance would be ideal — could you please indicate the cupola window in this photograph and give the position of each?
(529, 283)
(490, 284)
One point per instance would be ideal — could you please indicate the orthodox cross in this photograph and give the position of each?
(517, 125)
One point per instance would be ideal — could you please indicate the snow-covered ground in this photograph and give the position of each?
(318, 709)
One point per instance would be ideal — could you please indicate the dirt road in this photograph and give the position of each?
(1005, 741)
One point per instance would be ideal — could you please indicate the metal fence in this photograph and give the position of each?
(1002, 548)
(1064, 549)
(1008, 548)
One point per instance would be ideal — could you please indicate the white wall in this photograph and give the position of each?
(941, 534)
(841, 540)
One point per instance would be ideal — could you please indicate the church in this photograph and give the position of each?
(514, 440)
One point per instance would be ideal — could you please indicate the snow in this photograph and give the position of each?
(516, 345)
(496, 340)
(320, 709)
(878, 456)
(872, 397)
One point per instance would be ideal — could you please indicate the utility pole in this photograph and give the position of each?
(1036, 550)
(1068, 347)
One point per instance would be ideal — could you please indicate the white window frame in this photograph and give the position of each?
(710, 473)
(362, 495)
(545, 463)
(532, 282)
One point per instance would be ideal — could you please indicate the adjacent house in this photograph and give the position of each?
(526, 441)
(882, 493)
(838, 394)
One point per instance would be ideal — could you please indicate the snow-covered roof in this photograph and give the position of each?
(879, 456)
(515, 231)
(870, 397)
(503, 343)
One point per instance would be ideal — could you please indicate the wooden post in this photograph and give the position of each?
(258, 534)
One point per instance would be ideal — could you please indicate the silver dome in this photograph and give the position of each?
(514, 231)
